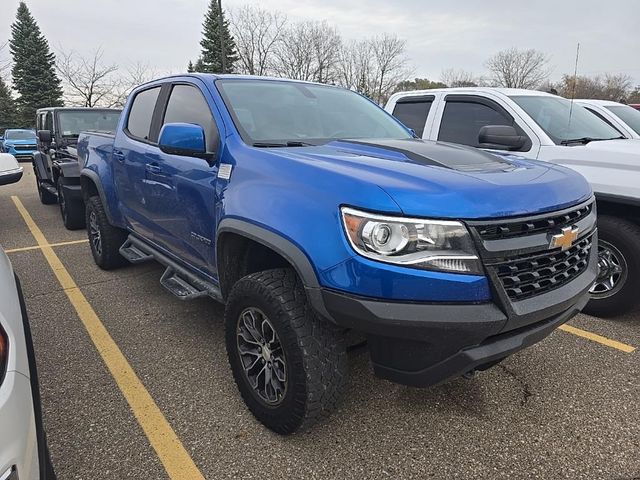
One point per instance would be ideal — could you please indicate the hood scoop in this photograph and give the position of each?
(454, 157)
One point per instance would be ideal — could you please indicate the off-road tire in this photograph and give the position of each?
(46, 197)
(108, 255)
(72, 213)
(314, 349)
(625, 237)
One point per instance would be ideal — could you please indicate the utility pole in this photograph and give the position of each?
(220, 28)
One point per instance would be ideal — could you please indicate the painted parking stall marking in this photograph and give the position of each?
(172, 454)
(594, 337)
(39, 247)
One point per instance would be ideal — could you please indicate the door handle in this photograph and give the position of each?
(153, 168)
(118, 155)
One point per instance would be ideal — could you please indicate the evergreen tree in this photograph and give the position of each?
(7, 107)
(34, 74)
(190, 67)
(210, 60)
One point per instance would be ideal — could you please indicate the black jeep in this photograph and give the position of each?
(56, 161)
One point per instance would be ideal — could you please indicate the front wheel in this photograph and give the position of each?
(289, 365)
(616, 289)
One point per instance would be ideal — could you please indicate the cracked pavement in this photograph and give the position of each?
(564, 408)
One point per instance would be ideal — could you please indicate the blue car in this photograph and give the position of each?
(20, 143)
(309, 212)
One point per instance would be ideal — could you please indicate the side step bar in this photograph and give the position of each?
(183, 283)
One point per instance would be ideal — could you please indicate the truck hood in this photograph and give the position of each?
(435, 179)
(611, 166)
(31, 143)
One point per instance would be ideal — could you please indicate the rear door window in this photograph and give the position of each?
(413, 112)
(141, 113)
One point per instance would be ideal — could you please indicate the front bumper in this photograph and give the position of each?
(422, 344)
(20, 154)
(18, 436)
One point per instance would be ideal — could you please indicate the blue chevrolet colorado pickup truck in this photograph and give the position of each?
(310, 212)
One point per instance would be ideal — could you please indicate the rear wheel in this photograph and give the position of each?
(72, 212)
(105, 239)
(289, 365)
(616, 288)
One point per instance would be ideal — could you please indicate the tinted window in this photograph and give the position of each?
(278, 111)
(187, 105)
(141, 113)
(48, 122)
(628, 115)
(462, 121)
(563, 121)
(413, 114)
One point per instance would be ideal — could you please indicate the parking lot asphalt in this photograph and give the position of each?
(567, 407)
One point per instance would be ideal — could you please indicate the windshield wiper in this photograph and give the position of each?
(290, 143)
(585, 140)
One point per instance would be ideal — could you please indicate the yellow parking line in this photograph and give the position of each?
(38, 247)
(594, 337)
(174, 457)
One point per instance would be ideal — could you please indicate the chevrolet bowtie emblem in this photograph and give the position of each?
(565, 238)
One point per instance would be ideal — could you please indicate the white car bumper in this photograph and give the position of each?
(18, 439)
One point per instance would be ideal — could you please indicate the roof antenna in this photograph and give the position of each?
(573, 88)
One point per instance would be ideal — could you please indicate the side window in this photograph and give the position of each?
(188, 105)
(141, 113)
(462, 121)
(48, 122)
(413, 113)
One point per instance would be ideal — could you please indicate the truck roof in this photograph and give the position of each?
(50, 109)
(216, 76)
(503, 91)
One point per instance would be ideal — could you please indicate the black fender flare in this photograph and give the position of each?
(91, 176)
(69, 170)
(284, 247)
(40, 164)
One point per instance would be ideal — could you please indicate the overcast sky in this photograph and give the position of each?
(440, 35)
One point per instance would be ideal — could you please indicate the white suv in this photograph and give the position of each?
(23, 450)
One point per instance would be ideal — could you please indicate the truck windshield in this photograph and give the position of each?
(20, 135)
(628, 115)
(72, 122)
(552, 115)
(281, 113)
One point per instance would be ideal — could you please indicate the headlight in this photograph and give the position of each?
(412, 242)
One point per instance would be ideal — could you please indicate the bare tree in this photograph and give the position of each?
(308, 51)
(460, 78)
(256, 32)
(355, 67)
(137, 74)
(390, 65)
(616, 87)
(518, 68)
(88, 82)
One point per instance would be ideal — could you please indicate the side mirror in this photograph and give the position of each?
(44, 136)
(500, 136)
(184, 139)
(10, 170)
